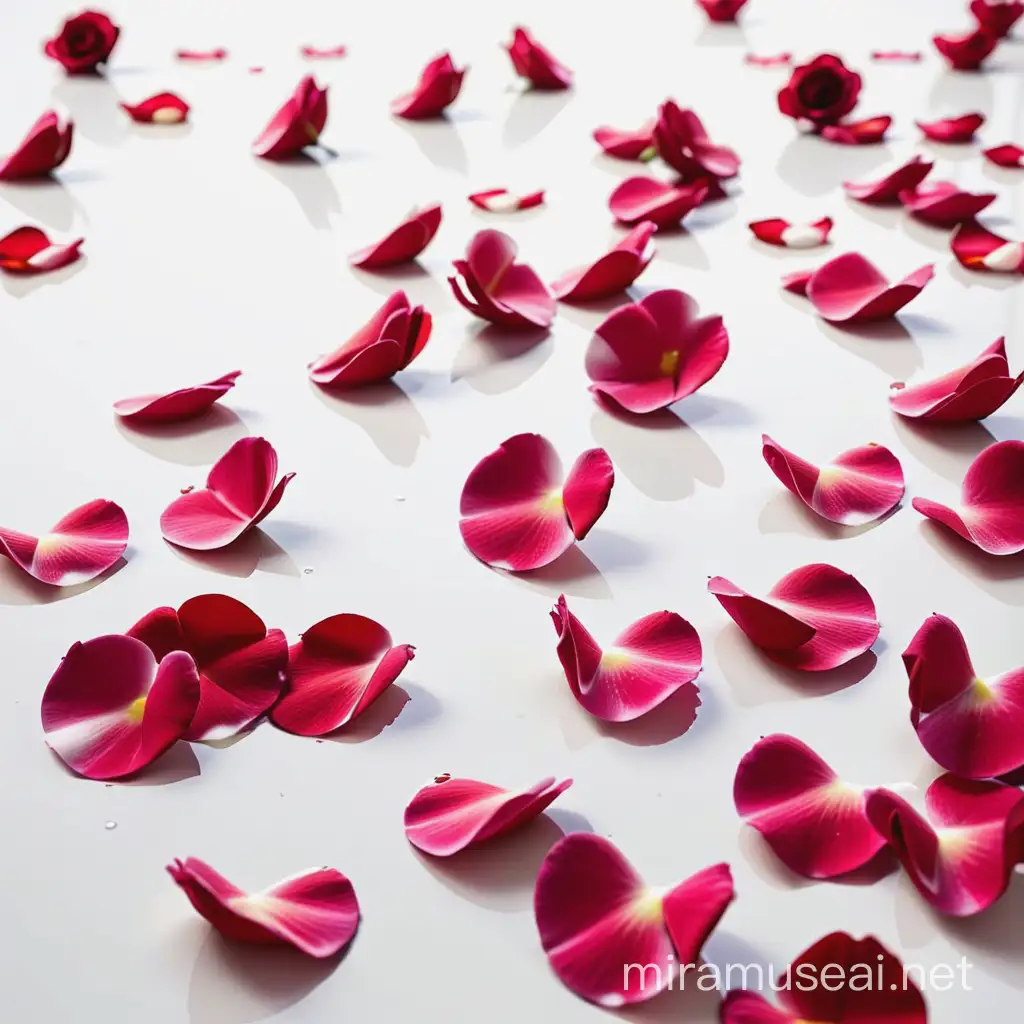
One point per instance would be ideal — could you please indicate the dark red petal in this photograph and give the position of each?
(1008, 155)
(888, 189)
(29, 250)
(402, 244)
(858, 133)
(163, 108)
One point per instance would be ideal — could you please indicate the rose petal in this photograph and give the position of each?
(626, 145)
(297, 124)
(110, 709)
(888, 189)
(402, 244)
(439, 85)
(316, 911)
(611, 273)
(163, 108)
(534, 63)
(639, 199)
(323, 53)
(174, 406)
(776, 231)
(29, 250)
(912, 56)
(44, 149)
(977, 248)
(966, 51)
(451, 814)
(850, 289)
(683, 143)
(722, 10)
(202, 55)
(797, 282)
(772, 60)
(952, 129)
(500, 200)
(858, 133)
(942, 203)
(997, 16)
(1008, 155)
(78, 547)
(815, 618)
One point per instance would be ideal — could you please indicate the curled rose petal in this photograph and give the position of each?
(977, 248)
(899, 56)
(796, 283)
(532, 62)
(163, 108)
(323, 52)
(316, 911)
(202, 55)
(611, 273)
(963, 395)
(647, 355)
(1008, 155)
(722, 10)
(110, 709)
(776, 231)
(627, 145)
(240, 493)
(971, 726)
(815, 823)
(78, 547)
(29, 250)
(769, 60)
(439, 85)
(241, 663)
(174, 406)
(402, 244)
(500, 200)
(44, 149)
(991, 511)
(296, 125)
(997, 16)
(966, 51)
(612, 939)
(683, 143)
(392, 338)
(646, 664)
(450, 814)
(952, 129)
(339, 667)
(961, 856)
(519, 513)
(815, 618)
(506, 293)
(856, 487)
(944, 204)
(84, 42)
(888, 189)
(639, 199)
(858, 133)
(841, 980)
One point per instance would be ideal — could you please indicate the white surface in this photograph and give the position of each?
(202, 260)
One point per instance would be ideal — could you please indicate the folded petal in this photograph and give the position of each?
(202, 55)
(639, 199)
(1008, 155)
(952, 129)
(897, 56)
(888, 189)
(776, 231)
(323, 52)
(163, 108)
(296, 124)
(78, 547)
(110, 709)
(815, 618)
(402, 244)
(339, 667)
(44, 149)
(858, 133)
(722, 10)
(625, 144)
(977, 248)
(451, 814)
(966, 51)
(683, 143)
(770, 60)
(173, 406)
(815, 823)
(316, 911)
(587, 490)
(851, 289)
(29, 250)
(534, 63)
(611, 273)
(944, 204)
(500, 200)
(997, 16)
(439, 84)
(797, 282)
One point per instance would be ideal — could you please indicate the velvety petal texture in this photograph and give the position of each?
(721, 10)
(518, 511)
(611, 273)
(450, 814)
(500, 200)
(952, 129)
(163, 108)
(296, 125)
(815, 618)
(944, 204)
(991, 510)
(111, 708)
(997, 16)
(438, 87)
(612, 939)
(77, 548)
(316, 911)
(625, 144)
(647, 355)
(339, 667)
(402, 244)
(1007, 155)
(639, 199)
(977, 248)
(240, 493)
(779, 232)
(29, 250)
(534, 63)
(44, 149)
(887, 190)
(645, 665)
(174, 406)
(966, 51)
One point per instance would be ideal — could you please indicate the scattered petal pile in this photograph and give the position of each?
(683, 143)
(611, 273)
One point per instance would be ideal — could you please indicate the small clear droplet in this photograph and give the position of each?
(307, 571)
(186, 490)
(110, 825)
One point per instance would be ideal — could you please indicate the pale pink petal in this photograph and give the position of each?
(627, 145)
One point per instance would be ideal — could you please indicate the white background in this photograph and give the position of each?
(201, 259)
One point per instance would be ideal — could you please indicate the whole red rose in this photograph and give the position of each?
(821, 92)
(83, 42)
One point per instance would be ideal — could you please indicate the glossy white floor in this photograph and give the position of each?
(201, 259)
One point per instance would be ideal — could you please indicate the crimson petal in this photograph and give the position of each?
(439, 85)
(627, 145)
(858, 133)
(611, 273)
(29, 250)
(500, 200)
(952, 129)
(722, 10)
(1008, 155)
(977, 248)
(997, 16)
(534, 63)
(966, 51)
(44, 149)
(202, 55)
(912, 56)
(639, 199)
(402, 244)
(174, 406)
(323, 52)
(888, 189)
(163, 108)
(851, 289)
(771, 60)
(776, 231)
(944, 204)
(297, 124)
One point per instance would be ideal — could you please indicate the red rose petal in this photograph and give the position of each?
(815, 618)
(627, 145)
(241, 663)
(647, 663)
(797, 282)
(856, 487)
(683, 143)
(339, 667)
(297, 124)
(815, 823)
(776, 231)
(966, 51)
(722, 10)
(611, 273)
(639, 199)
(240, 492)
(977, 248)
(29, 250)
(858, 133)
(944, 204)
(1008, 155)
(888, 189)
(451, 814)
(912, 56)
(961, 857)
(438, 86)
(202, 55)
(645, 356)
(44, 149)
(952, 129)
(500, 200)
(84, 42)
(595, 916)
(518, 513)
(163, 108)
(506, 293)
(991, 510)
(772, 60)
(78, 548)
(963, 395)
(316, 912)
(402, 244)
(174, 406)
(110, 709)
(534, 63)
(997, 16)
(323, 52)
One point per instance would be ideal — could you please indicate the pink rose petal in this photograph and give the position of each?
(202, 55)
(977, 248)
(163, 108)
(639, 199)
(402, 244)
(952, 129)
(174, 406)
(944, 204)
(858, 133)
(500, 200)
(323, 52)
(722, 10)
(611, 273)
(625, 144)
(888, 189)
(1008, 155)
(297, 124)
(770, 60)
(534, 63)
(898, 56)
(776, 231)
(29, 250)
(439, 85)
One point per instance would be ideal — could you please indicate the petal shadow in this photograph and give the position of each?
(493, 361)
(696, 1002)
(21, 285)
(667, 722)
(814, 168)
(572, 573)
(945, 448)
(254, 549)
(982, 278)
(440, 142)
(384, 711)
(954, 91)
(886, 344)
(178, 764)
(195, 442)
(49, 202)
(94, 104)
(310, 183)
(530, 113)
(413, 278)
(1002, 576)
(786, 513)
(17, 587)
(684, 249)
(994, 938)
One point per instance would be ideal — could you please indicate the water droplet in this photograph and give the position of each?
(110, 825)
(307, 571)
(185, 490)
(442, 778)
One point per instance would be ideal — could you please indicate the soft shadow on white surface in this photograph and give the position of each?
(196, 442)
(310, 183)
(954, 91)
(1001, 576)
(763, 862)
(815, 167)
(688, 1004)
(572, 573)
(493, 361)
(25, 285)
(684, 249)
(887, 215)
(721, 34)
(439, 141)
(401, 706)
(95, 108)
(241, 558)
(617, 551)
(786, 513)
(17, 587)
(178, 764)
(945, 448)
(48, 201)
(982, 279)
(413, 278)
(531, 112)
(887, 344)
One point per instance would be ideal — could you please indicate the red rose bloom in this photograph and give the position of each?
(821, 92)
(83, 42)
